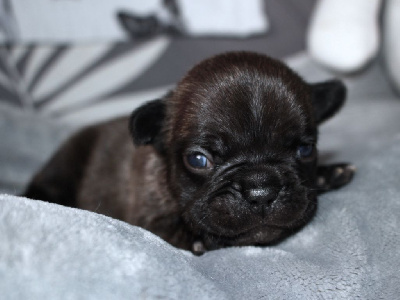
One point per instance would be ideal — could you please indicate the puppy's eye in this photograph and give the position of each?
(305, 151)
(197, 161)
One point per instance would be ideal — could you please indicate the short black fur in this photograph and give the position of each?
(327, 98)
(146, 122)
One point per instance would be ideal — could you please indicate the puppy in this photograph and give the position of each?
(228, 158)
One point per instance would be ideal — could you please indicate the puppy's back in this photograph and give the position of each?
(61, 179)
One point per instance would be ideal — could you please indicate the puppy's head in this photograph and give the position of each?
(239, 137)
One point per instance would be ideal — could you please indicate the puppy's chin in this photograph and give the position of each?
(229, 220)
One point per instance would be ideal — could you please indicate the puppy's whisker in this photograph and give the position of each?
(98, 206)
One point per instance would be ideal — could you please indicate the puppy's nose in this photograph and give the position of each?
(261, 196)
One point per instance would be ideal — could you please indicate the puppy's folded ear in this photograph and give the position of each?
(327, 98)
(146, 122)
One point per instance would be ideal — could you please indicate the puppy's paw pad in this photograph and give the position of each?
(198, 248)
(321, 181)
(342, 175)
(345, 171)
(338, 171)
(334, 176)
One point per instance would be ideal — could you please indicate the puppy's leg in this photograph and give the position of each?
(334, 176)
(58, 181)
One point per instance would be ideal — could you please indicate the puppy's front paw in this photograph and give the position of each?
(334, 176)
(198, 248)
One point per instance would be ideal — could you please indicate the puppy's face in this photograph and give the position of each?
(239, 137)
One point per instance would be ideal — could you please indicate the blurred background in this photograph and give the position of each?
(65, 64)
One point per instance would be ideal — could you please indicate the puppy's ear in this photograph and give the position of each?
(146, 122)
(327, 98)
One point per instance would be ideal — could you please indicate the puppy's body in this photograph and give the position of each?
(99, 169)
(228, 158)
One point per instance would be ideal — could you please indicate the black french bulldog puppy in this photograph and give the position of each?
(228, 158)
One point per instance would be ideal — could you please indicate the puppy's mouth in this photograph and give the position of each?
(266, 234)
(231, 220)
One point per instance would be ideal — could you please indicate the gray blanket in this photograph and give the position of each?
(349, 251)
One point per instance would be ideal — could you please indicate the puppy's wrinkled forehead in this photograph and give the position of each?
(247, 94)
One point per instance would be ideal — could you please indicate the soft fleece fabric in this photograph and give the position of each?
(350, 250)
